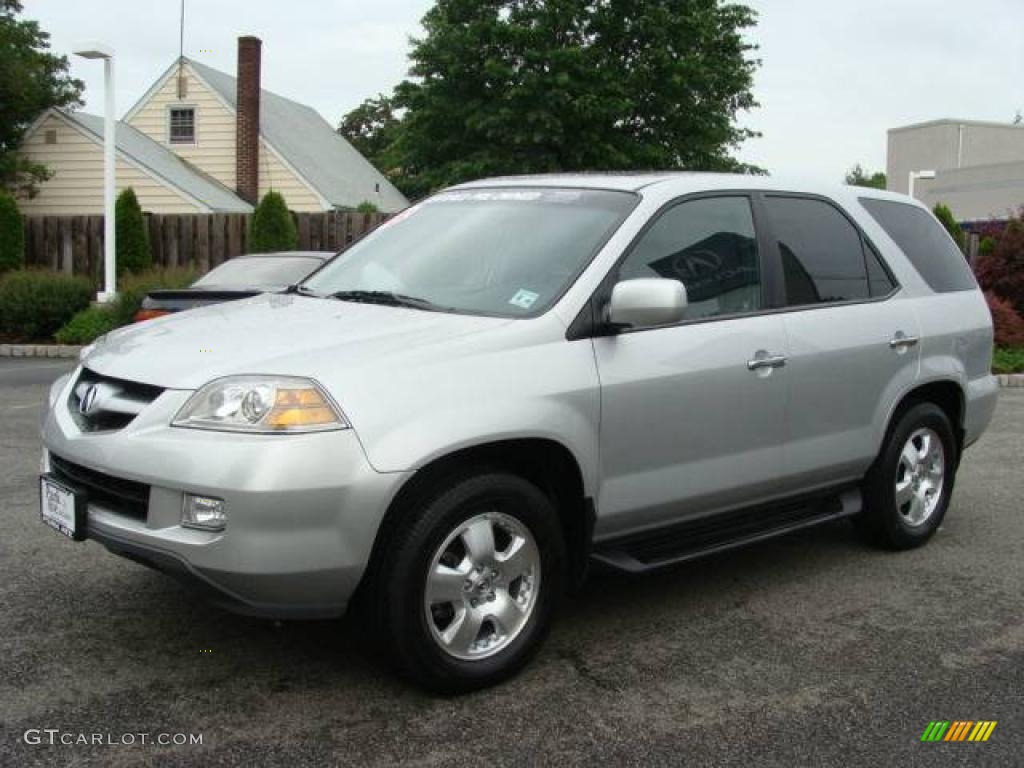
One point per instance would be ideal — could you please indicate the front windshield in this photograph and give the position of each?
(506, 252)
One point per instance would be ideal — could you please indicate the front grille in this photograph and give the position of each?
(125, 497)
(102, 403)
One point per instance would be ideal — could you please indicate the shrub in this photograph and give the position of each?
(86, 326)
(986, 245)
(34, 304)
(945, 216)
(1002, 270)
(367, 207)
(131, 239)
(1009, 325)
(272, 227)
(12, 234)
(132, 289)
(1008, 360)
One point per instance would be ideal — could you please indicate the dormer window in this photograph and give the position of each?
(181, 125)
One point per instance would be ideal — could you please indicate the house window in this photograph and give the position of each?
(182, 125)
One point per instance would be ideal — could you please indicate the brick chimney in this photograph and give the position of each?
(247, 119)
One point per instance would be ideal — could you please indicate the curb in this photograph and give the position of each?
(40, 350)
(1006, 380)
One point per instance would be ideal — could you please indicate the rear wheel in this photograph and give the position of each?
(471, 582)
(907, 490)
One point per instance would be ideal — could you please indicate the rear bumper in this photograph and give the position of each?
(979, 406)
(303, 510)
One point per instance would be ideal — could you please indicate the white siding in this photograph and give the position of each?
(76, 188)
(274, 175)
(214, 150)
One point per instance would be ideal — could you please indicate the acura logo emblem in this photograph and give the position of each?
(85, 405)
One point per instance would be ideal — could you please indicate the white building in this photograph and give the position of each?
(979, 166)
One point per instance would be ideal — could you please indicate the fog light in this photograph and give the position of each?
(205, 512)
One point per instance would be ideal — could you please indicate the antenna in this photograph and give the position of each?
(182, 83)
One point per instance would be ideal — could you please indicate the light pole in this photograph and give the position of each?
(95, 50)
(914, 176)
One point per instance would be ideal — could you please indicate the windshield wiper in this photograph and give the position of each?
(388, 298)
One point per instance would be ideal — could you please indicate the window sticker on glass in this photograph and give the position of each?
(506, 196)
(524, 299)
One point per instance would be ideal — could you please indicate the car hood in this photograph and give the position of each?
(274, 334)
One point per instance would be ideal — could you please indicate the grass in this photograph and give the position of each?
(1008, 360)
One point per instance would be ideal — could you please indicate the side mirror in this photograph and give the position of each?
(647, 301)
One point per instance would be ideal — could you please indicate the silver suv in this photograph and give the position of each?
(445, 424)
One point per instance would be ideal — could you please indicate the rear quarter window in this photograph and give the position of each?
(925, 243)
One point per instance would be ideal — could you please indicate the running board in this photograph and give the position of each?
(691, 539)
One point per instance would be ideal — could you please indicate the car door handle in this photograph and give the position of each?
(771, 361)
(900, 340)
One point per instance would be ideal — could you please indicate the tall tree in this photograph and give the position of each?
(858, 177)
(517, 86)
(131, 237)
(31, 79)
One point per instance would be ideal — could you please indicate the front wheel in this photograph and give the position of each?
(907, 490)
(471, 581)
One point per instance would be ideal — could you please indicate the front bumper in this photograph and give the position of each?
(303, 510)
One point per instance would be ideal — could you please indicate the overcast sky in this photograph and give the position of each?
(834, 75)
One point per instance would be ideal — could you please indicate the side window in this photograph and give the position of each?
(925, 243)
(878, 279)
(822, 255)
(709, 246)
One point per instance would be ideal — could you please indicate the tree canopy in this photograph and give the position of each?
(858, 177)
(523, 86)
(31, 80)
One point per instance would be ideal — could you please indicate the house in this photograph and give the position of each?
(979, 166)
(201, 141)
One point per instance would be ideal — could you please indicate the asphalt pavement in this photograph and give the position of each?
(808, 650)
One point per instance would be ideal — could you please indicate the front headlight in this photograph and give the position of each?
(266, 404)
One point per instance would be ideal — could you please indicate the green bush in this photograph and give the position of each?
(987, 245)
(34, 304)
(367, 207)
(1008, 360)
(87, 326)
(131, 239)
(945, 216)
(132, 289)
(12, 234)
(272, 228)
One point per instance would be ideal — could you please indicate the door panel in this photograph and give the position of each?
(844, 376)
(686, 426)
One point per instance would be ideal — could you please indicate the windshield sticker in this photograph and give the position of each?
(524, 299)
(506, 195)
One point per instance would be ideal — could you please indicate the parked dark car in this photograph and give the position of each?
(237, 278)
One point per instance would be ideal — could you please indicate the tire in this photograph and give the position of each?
(905, 502)
(444, 533)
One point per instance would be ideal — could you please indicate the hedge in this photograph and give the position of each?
(34, 304)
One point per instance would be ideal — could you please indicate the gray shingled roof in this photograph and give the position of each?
(163, 163)
(308, 143)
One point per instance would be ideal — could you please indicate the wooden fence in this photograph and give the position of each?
(74, 244)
